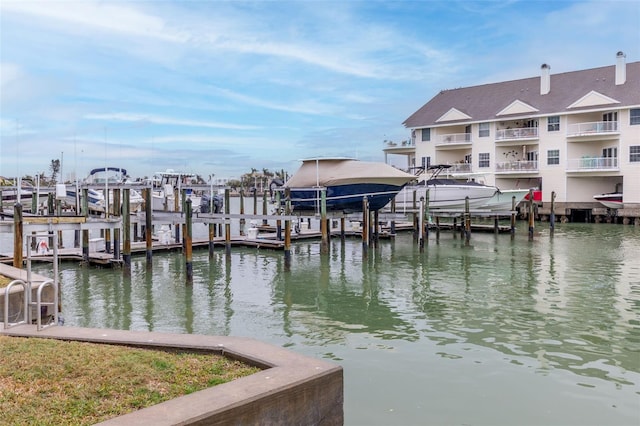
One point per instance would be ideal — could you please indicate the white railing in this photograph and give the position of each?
(454, 138)
(402, 144)
(595, 127)
(460, 168)
(593, 163)
(522, 133)
(517, 166)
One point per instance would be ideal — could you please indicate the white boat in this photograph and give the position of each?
(612, 200)
(95, 201)
(10, 194)
(165, 186)
(502, 200)
(109, 177)
(347, 182)
(445, 193)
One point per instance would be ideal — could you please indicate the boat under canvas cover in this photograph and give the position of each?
(347, 181)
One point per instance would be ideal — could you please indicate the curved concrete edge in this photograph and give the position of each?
(291, 388)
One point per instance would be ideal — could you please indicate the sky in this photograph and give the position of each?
(219, 88)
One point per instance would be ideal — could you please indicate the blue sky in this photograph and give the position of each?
(215, 87)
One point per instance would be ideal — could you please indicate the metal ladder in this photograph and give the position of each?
(25, 317)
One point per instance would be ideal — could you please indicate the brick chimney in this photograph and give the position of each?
(621, 69)
(545, 79)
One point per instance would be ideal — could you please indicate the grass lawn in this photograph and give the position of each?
(55, 382)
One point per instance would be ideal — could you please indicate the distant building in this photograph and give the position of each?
(575, 134)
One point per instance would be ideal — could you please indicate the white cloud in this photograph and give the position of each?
(143, 119)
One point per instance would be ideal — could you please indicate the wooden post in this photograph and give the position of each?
(278, 221)
(287, 230)
(59, 213)
(264, 207)
(416, 225)
(437, 228)
(513, 218)
(34, 201)
(126, 229)
(227, 224)
(50, 209)
(85, 232)
(148, 228)
(17, 235)
(552, 218)
(365, 226)
(426, 217)
(375, 225)
(467, 221)
(188, 241)
(421, 225)
(531, 216)
(393, 218)
(107, 231)
(116, 213)
(255, 202)
(324, 243)
(342, 229)
(242, 219)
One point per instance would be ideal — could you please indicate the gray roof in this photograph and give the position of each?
(484, 102)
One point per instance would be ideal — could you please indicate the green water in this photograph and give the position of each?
(497, 332)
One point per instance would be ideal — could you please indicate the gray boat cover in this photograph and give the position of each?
(326, 172)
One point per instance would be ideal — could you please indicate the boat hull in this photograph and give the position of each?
(503, 200)
(611, 201)
(347, 198)
(446, 197)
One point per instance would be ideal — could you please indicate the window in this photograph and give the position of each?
(483, 159)
(553, 124)
(483, 130)
(634, 117)
(634, 154)
(426, 162)
(426, 135)
(553, 156)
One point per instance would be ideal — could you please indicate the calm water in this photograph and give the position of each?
(500, 332)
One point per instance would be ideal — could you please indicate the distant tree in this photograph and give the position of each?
(55, 169)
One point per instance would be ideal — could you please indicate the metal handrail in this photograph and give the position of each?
(39, 304)
(26, 289)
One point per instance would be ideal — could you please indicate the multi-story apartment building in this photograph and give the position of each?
(575, 134)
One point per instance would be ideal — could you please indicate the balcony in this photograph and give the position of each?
(517, 134)
(391, 146)
(594, 128)
(518, 166)
(589, 164)
(454, 139)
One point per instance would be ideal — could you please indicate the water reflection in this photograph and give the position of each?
(567, 304)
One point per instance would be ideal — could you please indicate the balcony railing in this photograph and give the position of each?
(454, 138)
(593, 163)
(403, 144)
(523, 133)
(517, 166)
(460, 168)
(595, 127)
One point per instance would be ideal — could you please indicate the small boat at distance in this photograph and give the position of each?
(612, 200)
(445, 193)
(347, 182)
(110, 177)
